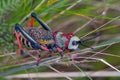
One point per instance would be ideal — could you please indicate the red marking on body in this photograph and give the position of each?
(54, 34)
(67, 50)
(18, 41)
(59, 50)
(31, 23)
(44, 48)
(68, 36)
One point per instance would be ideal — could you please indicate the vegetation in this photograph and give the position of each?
(84, 18)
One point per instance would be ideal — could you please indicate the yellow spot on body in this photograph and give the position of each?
(44, 41)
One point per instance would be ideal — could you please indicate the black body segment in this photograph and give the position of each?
(34, 44)
(40, 35)
(44, 25)
(25, 42)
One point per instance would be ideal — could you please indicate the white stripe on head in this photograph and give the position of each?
(70, 45)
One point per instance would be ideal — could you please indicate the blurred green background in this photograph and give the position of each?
(85, 18)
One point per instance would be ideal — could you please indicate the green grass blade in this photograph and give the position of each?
(82, 71)
(114, 40)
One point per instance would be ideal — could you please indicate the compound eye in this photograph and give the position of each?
(74, 43)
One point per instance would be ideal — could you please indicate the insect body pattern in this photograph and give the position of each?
(44, 39)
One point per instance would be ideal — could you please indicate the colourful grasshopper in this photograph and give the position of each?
(45, 39)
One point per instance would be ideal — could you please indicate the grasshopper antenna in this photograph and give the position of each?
(85, 40)
(81, 42)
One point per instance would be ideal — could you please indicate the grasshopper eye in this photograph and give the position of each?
(74, 43)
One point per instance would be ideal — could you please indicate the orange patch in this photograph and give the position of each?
(44, 41)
